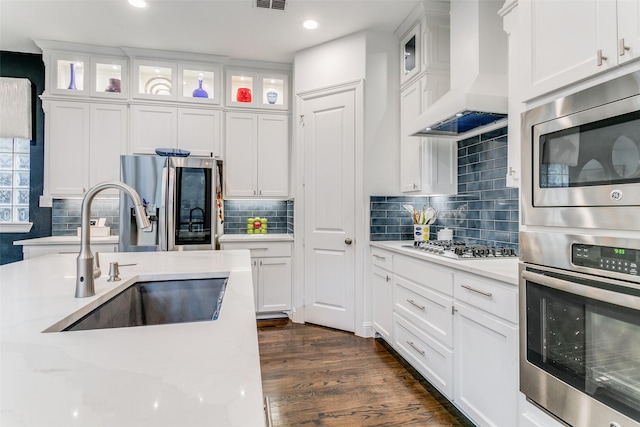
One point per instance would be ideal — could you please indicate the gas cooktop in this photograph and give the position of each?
(461, 250)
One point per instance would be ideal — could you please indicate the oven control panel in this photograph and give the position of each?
(620, 260)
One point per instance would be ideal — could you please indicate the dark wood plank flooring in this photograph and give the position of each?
(317, 376)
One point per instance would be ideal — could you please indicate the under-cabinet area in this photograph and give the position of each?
(455, 322)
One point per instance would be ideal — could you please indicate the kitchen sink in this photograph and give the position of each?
(156, 303)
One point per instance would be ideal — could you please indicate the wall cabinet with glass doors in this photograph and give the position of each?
(257, 89)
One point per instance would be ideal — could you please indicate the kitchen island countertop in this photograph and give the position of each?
(188, 374)
(502, 269)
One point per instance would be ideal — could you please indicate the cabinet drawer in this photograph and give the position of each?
(496, 298)
(382, 259)
(433, 360)
(261, 249)
(428, 310)
(424, 273)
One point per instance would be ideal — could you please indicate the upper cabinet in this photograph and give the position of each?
(410, 49)
(79, 75)
(424, 44)
(564, 43)
(176, 81)
(257, 89)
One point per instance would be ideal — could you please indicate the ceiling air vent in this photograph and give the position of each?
(271, 4)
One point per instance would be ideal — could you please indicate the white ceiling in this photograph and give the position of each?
(233, 28)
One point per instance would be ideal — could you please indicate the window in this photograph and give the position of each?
(14, 180)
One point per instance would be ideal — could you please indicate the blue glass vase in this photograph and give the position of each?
(200, 93)
(72, 81)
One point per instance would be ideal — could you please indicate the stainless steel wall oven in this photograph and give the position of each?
(580, 327)
(579, 256)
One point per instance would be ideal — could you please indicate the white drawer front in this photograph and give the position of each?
(424, 273)
(261, 249)
(426, 355)
(428, 310)
(382, 259)
(496, 298)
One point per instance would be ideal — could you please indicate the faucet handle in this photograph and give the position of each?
(96, 267)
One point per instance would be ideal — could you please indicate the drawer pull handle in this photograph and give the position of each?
(410, 301)
(382, 258)
(486, 294)
(413, 346)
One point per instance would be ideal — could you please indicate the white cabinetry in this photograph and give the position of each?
(422, 321)
(382, 293)
(193, 129)
(459, 330)
(271, 267)
(256, 155)
(427, 165)
(486, 350)
(565, 42)
(257, 89)
(84, 144)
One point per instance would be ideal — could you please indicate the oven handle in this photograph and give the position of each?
(616, 298)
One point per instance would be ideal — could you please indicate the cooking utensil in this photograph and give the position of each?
(430, 215)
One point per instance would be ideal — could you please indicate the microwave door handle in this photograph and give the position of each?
(616, 298)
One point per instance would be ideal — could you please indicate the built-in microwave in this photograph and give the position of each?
(581, 158)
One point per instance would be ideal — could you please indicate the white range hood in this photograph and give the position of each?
(478, 94)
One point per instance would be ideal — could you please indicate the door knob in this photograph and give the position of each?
(348, 241)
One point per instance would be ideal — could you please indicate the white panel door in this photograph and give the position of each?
(108, 142)
(329, 144)
(199, 131)
(274, 291)
(153, 127)
(273, 156)
(241, 157)
(410, 146)
(67, 148)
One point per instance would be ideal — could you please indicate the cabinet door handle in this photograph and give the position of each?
(410, 301)
(600, 57)
(486, 294)
(415, 186)
(381, 258)
(388, 278)
(622, 48)
(413, 346)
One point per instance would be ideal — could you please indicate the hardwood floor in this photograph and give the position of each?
(317, 376)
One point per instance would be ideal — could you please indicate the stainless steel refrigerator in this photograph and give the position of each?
(179, 196)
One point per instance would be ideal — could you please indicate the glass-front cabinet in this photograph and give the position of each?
(200, 83)
(78, 75)
(410, 46)
(154, 80)
(69, 74)
(110, 77)
(257, 89)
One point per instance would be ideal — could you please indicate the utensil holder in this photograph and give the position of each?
(420, 232)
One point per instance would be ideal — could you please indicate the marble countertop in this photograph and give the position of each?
(63, 240)
(502, 269)
(274, 237)
(187, 374)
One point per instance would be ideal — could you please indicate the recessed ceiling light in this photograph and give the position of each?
(138, 3)
(310, 24)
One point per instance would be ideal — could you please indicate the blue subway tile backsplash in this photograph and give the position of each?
(65, 215)
(279, 214)
(484, 211)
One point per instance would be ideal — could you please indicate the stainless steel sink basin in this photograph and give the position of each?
(156, 303)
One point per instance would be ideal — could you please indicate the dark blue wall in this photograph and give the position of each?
(30, 66)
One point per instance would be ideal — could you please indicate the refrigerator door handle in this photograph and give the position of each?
(163, 222)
